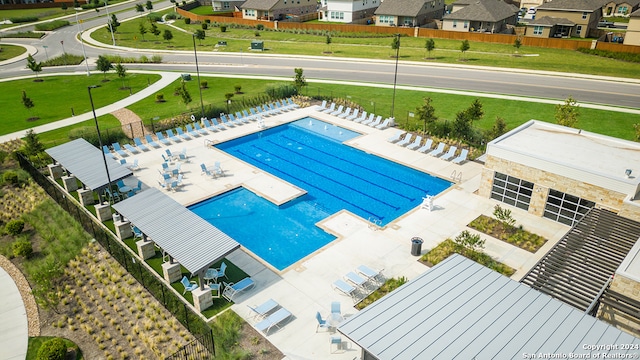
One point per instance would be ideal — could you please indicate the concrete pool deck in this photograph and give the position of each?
(305, 287)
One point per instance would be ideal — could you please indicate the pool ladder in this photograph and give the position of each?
(456, 176)
(375, 224)
(208, 143)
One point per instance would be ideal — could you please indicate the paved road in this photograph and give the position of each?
(547, 85)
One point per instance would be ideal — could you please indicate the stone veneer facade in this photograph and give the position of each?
(543, 181)
(622, 321)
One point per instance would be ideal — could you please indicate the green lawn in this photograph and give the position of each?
(447, 51)
(56, 96)
(10, 51)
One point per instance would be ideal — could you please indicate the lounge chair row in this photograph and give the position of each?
(404, 139)
(360, 283)
(269, 314)
(355, 116)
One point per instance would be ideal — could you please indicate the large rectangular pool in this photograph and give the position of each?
(309, 154)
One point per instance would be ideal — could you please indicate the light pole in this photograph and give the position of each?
(45, 51)
(86, 63)
(104, 156)
(195, 53)
(64, 55)
(395, 78)
(113, 38)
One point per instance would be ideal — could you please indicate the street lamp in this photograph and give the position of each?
(195, 53)
(104, 156)
(86, 63)
(395, 78)
(64, 55)
(113, 38)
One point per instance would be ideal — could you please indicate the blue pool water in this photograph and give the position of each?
(309, 154)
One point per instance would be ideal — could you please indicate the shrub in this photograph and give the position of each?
(54, 349)
(156, 59)
(204, 26)
(14, 227)
(187, 21)
(160, 98)
(257, 33)
(24, 34)
(238, 89)
(223, 28)
(10, 177)
(171, 16)
(503, 215)
(469, 241)
(22, 248)
(143, 59)
(204, 84)
(280, 91)
(207, 21)
(64, 59)
(52, 25)
(260, 27)
(153, 17)
(23, 19)
(89, 133)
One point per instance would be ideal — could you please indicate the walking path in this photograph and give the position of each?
(14, 324)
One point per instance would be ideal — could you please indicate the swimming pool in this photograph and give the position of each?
(309, 154)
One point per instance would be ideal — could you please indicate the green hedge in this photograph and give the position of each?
(623, 56)
(52, 25)
(23, 19)
(23, 34)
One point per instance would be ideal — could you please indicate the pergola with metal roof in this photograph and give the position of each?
(86, 163)
(183, 235)
(460, 309)
(580, 266)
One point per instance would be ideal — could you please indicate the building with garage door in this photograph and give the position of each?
(560, 173)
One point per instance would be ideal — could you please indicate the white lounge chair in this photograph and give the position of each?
(322, 107)
(369, 120)
(377, 122)
(345, 113)
(361, 118)
(426, 147)
(273, 320)
(264, 309)
(462, 157)
(387, 123)
(395, 138)
(449, 155)
(372, 275)
(415, 144)
(439, 150)
(232, 289)
(353, 116)
(330, 109)
(356, 279)
(337, 112)
(405, 141)
(346, 289)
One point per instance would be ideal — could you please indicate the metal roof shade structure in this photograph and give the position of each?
(580, 266)
(185, 236)
(460, 309)
(86, 163)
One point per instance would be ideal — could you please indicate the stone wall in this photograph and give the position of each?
(627, 287)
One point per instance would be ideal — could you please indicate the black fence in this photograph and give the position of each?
(204, 347)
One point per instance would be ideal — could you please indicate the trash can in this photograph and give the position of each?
(416, 246)
(186, 77)
(257, 45)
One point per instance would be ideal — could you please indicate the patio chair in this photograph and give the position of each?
(330, 109)
(150, 142)
(353, 116)
(176, 170)
(131, 149)
(335, 308)
(182, 134)
(369, 119)
(370, 274)
(405, 141)
(188, 285)
(439, 150)
(199, 129)
(107, 152)
(173, 137)
(183, 157)
(217, 288)
(139, 144)
(264, 309)
(345, 113)
(215, 274)
(217, 169)
(426, 147)
(377, 122)
(361, 118)
(175, 184)
(462, 157)
(232, 289)
(138, 187)
(273, 320)
(415, 144)
(322, 323)
(386, 124)
(112, 195)
(162, 139)
(346, 289)
(134, 166)
(322, 107)
(206, 171)
(123, 162)
(337, 112)
(116, 147)
(192, 132)
(450, 154)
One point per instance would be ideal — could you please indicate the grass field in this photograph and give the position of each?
(57, 95)
(10, 51)
(447, 51)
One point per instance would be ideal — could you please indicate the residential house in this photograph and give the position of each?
(480, 15)
(218, 5)
(632, 37)
(584, 13)
(276, 9)
(347, 11)
(620, 8)
(408, 12)
(547, 27)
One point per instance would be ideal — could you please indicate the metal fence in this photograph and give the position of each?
(204, 347)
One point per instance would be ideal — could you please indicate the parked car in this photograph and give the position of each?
(605, 23)
(532, 10)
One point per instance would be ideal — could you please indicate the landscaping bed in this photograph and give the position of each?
(387, 287)
(508, 233)
(449, 247)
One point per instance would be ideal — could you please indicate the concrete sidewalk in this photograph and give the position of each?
(13, 320)
(167, 78)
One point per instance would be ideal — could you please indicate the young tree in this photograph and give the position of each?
(475, 112)
(103, 64)
(328, 42)
(395, 44)
(64, 7)
(567, 114)
(199, 34)
(154, 29)
(32, 145)
(27, 102)
(499, 128)
(426, 113)
(461, 125)
(122, 72)
(142, 29)
(184, 93)
(430, 44)
(517, 44)
(113, 23)
(149, 5)
(464, 46)
(299, 80)
(34, 66)
(139, 8)
(167, 35)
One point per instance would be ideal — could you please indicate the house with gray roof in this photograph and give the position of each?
(622, 8)
(460, 309)
(492, 16)
(632, 36)
(547, 27)
(276, 9)
(408, 12)
(225, 5)
(348, 11)
(584, 13)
